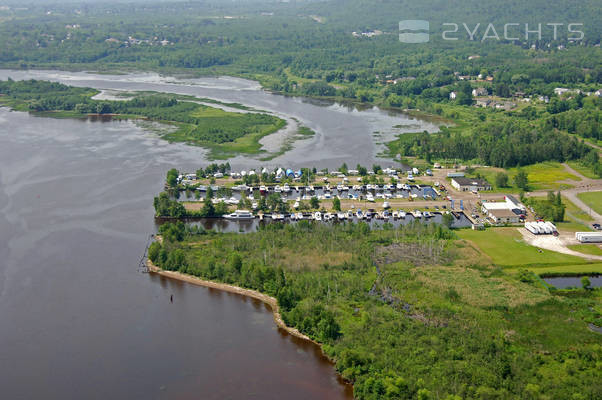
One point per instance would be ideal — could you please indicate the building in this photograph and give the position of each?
(470, 184)
(479, 92)
(483, 103)
(504, 216)
(453, 95)
(455, 174)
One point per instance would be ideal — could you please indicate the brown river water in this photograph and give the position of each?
(77, 317)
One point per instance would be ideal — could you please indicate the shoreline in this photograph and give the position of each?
(269, 300)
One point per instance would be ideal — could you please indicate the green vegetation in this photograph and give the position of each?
(551, 208)
(587, 249)
(411, 312)
(506, 248)
(593, 200)
(225, 133)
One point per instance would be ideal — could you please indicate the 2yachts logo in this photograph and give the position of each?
(417, 31)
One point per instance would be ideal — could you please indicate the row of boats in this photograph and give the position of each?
(340, 188)
(328, 216)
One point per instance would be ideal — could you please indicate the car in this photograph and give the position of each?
(597, 227)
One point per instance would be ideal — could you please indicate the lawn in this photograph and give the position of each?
(590, 248)
(575, 211)
(592, 199)
(506, 248)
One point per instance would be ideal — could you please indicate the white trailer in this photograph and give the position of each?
(589, 237)
(551, 226)
(544, 228)
(531, 227)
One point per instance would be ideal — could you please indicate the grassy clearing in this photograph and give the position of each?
(546, 176)
(479, 288)
(592, 199)
(575, 211)
(583, 269)
(582, 169)
(506, 248)
(590, 248)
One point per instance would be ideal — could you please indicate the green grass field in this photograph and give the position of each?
(542, 176)
(590, 248)
(575, 211)
(582, 169)
(506, 248)
(592, 199)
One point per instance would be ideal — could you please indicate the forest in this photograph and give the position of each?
(409, 312)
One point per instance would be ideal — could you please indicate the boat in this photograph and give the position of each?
(286, 188)
(254, 205)
(240, 215)
(318, 216)
(402, 214)
(296, 205)
(386, 204)
(359, 214)
(328, 216)
(278, 217)
(263, 189)
(395, 214)
(427, 214)
(399, 186)
(385, 214)
(417, 214)
(299, 216)
(277, 189)
(369, 197)
(350, 214)
(341, 215)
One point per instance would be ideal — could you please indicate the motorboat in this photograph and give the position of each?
(240, 215)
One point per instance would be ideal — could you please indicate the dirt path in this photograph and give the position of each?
(553, 243)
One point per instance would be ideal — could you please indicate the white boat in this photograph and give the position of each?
(427, 214)
(299, 216)
(277, 189)
(318, 216)
(402, 214)
(395, 214)
(417, 214)
(278, 217)
(350, 214)
(286, 188)
(240, 215)
(296, 205)
(263, 189)
(369, 197)
(385, 214)
(326, 196)
(399, 186)
(410, 178)
(359, 214)
(341, 215)
(254, 205)
(328, 216)
(386, 204)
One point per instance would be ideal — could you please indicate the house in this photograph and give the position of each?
(455, 174)
(561, 91)
(437, 165)
(598, 93)
(504, 216)
(483, 102)
(479, 92)
(453, 95)
(470, 184)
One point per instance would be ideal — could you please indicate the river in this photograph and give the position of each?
(78, 320)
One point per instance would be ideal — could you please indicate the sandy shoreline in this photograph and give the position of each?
(269, 300)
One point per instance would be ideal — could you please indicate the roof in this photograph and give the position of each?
(503, 213)
(495, 205)
(462, 181)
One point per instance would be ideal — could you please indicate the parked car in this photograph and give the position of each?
(597, 227)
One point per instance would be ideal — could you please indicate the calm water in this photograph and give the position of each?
(77, 318)
(563, 282)
(79, 321)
